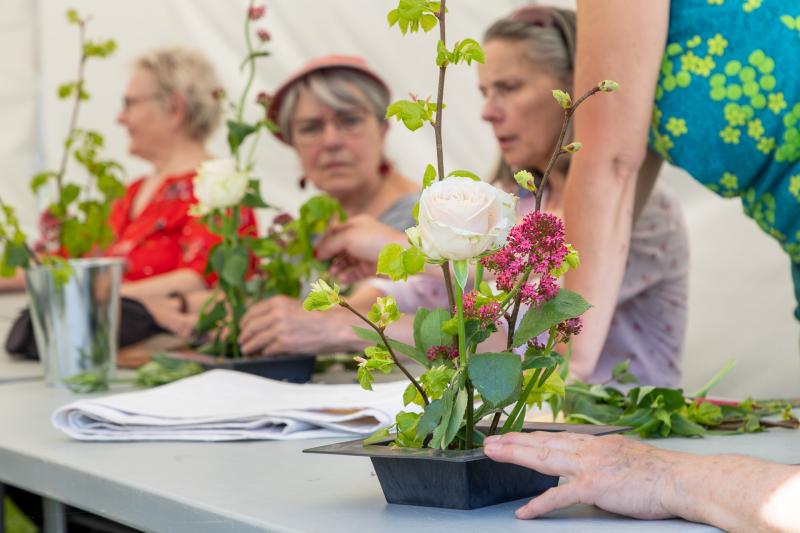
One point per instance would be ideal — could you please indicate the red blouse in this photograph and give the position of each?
(164, 236)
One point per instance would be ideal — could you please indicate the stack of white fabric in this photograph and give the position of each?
(223, 405)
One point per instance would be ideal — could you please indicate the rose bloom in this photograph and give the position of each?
(219, 185)
(460, 218)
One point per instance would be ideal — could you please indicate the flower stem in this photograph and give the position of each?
(380, 332)
(478, 276)
(251, 61)
(448, 283)
(462, 364)
(73, 120)
(558, 149)
(437, 126)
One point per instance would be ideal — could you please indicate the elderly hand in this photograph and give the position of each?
(360, 240)
(280, 325)
(614, 473)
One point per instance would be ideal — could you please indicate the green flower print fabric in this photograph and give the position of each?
(727, 108)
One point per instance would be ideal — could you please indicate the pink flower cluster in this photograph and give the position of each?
(570, 328)
(256, 12)
(536, 243)
(488, 313)
(441, 351)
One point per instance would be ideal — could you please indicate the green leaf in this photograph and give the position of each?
(456, 417)
(621, 375)
(15, 255)
(431, 417)
(464, 174)
(322, 297)
(496, 376)
(443, 55)
(788, 21)
(384, 311)
(208, 321)
(428, 22)
(461, 272)
(413, 114)
(429, 177)
(69, 193)
(436, 380)
(430, 330)
(468, 50)
(237, 133)
(565, 305)
(397, 346)
(235, 269)
(365, 378)
(379, 436)
(682, 426)
(40, 179)
(392, 17)
(542, 361)
(411, 394)
(398, 263)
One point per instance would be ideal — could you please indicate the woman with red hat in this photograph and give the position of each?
(332, 113)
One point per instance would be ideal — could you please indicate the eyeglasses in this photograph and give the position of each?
(311, 131)
(130, 101)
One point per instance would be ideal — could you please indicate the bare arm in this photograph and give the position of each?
(618, 40)
(183, 280)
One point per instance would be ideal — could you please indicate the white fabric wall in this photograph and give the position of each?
(741, 299)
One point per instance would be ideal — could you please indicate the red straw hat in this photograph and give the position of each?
(333, 61)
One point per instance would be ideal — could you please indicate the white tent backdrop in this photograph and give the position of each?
(741, 297)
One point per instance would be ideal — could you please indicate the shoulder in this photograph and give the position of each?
(400, 215)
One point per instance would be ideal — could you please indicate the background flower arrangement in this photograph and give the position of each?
(464, 223)
(223, 187)
(74, 224)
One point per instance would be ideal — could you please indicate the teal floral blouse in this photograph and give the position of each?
(727, 108)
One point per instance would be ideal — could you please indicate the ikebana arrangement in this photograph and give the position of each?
(248, 267)
(466, 227)
(64, 270)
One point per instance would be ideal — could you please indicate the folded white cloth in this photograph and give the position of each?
(223, 405)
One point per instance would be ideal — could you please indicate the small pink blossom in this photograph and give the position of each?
(535, 244)
(256, 12)
(263, 35)
(488, 312)
(441, 351)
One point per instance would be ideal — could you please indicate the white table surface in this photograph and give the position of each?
(269, 486)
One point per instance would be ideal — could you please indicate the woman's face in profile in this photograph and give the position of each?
(518, 103)
(144, 114)
(340, 151)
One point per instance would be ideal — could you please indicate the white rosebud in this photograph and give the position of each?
(460, 218)
(608, 86)
(218, 185)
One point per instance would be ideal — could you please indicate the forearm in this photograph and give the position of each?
(601, 184)
(735, 493)
(183, 280)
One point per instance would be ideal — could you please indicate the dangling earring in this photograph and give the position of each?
(302, 182)
(384, 168)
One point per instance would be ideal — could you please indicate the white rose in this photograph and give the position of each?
(460, 218)
(218, 185)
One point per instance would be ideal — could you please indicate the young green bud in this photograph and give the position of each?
(572, 147)
(563, 98)
(608, 86)
(525, 180)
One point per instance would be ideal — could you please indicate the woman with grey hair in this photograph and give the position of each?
(169, 110)
(332, 113)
